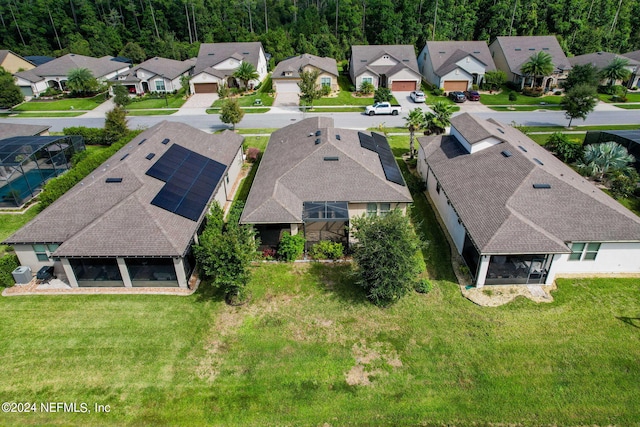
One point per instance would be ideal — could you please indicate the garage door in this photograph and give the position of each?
(287, 87)
(403, 85)
(205, 87)
(451, 85)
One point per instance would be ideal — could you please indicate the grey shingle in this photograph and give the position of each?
(296, 63)
(600, 59)
(211, 54)
(169, 68)
(635, 55)
(8, 130)
(61, 66)
(444, 54)
(405, 54)
(518, 50)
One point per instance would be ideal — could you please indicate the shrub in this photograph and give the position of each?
(415, 184)
(624, 183)
(252, 154)
(513, 96)
(268, 254)
(223, 92)
(366, 88)
(383, 94)
(423, 286)
(566, 150)
(326, 249)
(325, 90)
(92, 136)
(533, 92)
(557, 93)
(634, 88)
(475, 87)
(437, 91)
(291, 247)
(8, 263)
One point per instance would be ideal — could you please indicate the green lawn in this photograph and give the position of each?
(579, 128)
(246, 110)
(257, 131)
(172, 101)
(628, 106)
(502, 98)
(10, 223)
(28, 114)
(631, 97)
(249, 100)
(337, 110)
(256, 141)
(62, 104)
(345, 97)
(527, 108)
(163, 112)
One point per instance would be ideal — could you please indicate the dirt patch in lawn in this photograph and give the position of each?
(371, 361)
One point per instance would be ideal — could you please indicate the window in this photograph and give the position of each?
(372, 209)
(584, 251)
(385, 208)
(325, 81)
(367, 80)
(160, 85)
(41, 252)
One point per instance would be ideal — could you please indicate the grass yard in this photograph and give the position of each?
(172, 101)
(10, 223)
(628, 106)
(32, 114)
(335, 110)
(502, 98)
(345, 97)
(527, 108)
(162, 112)
(631, 97)
(249, 100)
(578, 128)
(256, 131)
(62, 104)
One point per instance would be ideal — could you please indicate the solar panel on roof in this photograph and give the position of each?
(113, 180)
(165, 141)
(190, 179)
(367, 142)
(318, 132)
(541, 185)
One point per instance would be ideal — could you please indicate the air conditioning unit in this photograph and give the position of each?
(22, 275)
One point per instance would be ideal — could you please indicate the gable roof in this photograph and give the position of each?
(97, 218)
(211, 54)
(293, 170)
(296, 63)
(169, 68)
(635, 55)
(363, 55)
(61, 66)
(518, 49)
(4, 53)
(600, 59)
(504, 214)
(8, 130)
(444, 54)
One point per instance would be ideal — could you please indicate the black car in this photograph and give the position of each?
(457, 96)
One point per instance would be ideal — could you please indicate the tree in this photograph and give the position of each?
(121, 98)
(384, 254)
(309, 91)
(134, 52)
(616, 70)
(115, 125)
(80, 82)
(582, 74)
(540, 64)
(579, 102)
(605, 158)
(366, 87)
(246, 72)
(624, 183)
(383, 94)
(414, 121)
(231, 113)
(566, 150)
(10, 93)
(184, 82)
(437, 120)
(224, 251)
(495, 79)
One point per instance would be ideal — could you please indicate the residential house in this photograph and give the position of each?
(38, 60)
(53, 74)
(517, 214)
(455, 65)
(217, 62)
(601, 59)
(635, 55)
(511, 53)
(391, 66)
(8, 130)
(132, 222)
(12, 62)
(286, 75)
(156, 75)
(314, 178)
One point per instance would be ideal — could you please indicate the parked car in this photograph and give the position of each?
(457, 96)
(418, 96)
(383, 108)
(472, 95)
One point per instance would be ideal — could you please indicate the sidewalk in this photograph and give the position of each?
(100, 110)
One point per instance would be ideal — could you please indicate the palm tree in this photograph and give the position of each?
(616, 70)
(245, 72)
(600, 159)
(80, 81)
(539, 65)
(437, 120)
(414, 121)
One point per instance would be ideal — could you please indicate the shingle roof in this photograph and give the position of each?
(296, 63)
(211, 54)
(99, 67)
(445, 54)
(169, 68)
(8, 130)
(600, 59)
(518, 49)
(96, 218)
(293, 170)
(473, 129)
(39, 59)
(635, 55)
(363, 55)
(495, 199)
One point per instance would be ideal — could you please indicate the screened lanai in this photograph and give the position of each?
(27, 162)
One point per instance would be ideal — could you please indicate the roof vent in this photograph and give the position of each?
(522, 148)
(210, 54)
(165, 141)
(500, 130)
(538, 161)
(318, 141)
(363, 60)
(245, 53)
(150, 156)
(546, 48)
(541, 185)
(338, 137)
(506, 153)
(476, 51)
(442, 52)
(318, 132)
(141, 141)
(532, 48)
(518, 49)
(311, 133)
(405, 60)
(331, 158)
(113, 180)
(124, 157)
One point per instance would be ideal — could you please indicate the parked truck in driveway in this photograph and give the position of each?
(383, 108)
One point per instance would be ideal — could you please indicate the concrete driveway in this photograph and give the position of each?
(407, 104)
(286, 99)
(197, 104)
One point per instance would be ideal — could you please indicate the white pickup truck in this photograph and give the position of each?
(383, 108)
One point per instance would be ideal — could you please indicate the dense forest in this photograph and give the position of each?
(174, 29)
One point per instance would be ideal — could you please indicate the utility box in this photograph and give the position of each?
(22, 275)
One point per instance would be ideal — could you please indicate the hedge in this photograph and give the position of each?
(92, 136)
(8, 263)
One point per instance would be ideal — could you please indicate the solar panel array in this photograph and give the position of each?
(367, 142)
(388, 161)
(190, 179)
